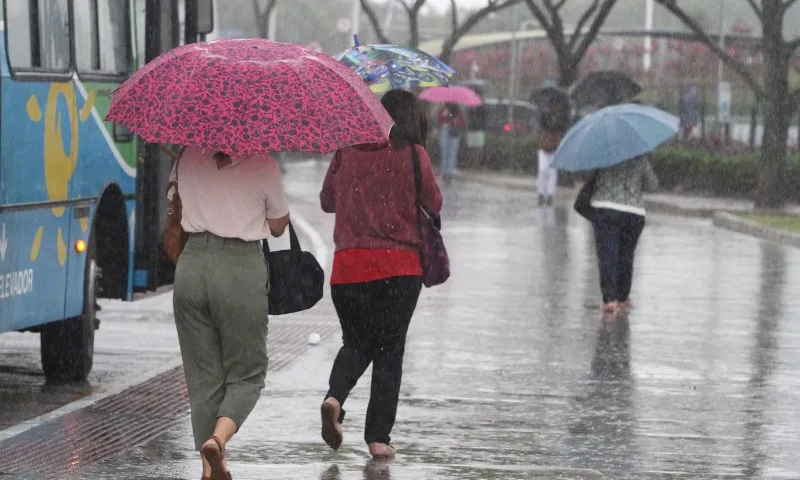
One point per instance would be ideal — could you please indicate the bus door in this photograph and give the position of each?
(38, 145)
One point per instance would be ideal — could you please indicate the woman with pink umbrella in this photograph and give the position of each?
(451, 122)
(232, 102)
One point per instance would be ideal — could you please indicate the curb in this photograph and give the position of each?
(737, 224)
(526, 184)
(671, 209)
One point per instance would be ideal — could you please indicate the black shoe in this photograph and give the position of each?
(541, 200)
(549, 201)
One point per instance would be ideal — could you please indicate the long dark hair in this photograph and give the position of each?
(405, 110)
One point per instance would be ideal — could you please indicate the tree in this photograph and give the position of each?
(772, 91)
(412, 10)
(570, 49)
(261, 16)
(459, 29)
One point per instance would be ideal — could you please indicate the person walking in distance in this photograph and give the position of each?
(554, 122)
(377, 275)
(227, 206)
(451, 124)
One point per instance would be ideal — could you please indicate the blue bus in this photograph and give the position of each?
(72, 186)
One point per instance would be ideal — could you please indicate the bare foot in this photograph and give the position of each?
(381, 450)
(626, 304)
(214, 465)
(610, 307)
(331, 428)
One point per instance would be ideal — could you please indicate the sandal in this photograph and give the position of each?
(386, 454)
(214, 457)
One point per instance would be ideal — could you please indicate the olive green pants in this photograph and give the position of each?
(220, 304)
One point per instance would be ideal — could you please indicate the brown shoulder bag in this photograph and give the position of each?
(174, 235)
(549, 140)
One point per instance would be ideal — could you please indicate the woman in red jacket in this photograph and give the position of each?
(377, 276)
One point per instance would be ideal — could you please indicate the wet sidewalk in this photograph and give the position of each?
(662, 202)
(512, 373)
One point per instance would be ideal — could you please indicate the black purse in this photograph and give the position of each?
(583, 203)
(296, 279)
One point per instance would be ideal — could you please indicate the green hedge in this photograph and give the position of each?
(720, 175)
(502, 153)
(686, 169)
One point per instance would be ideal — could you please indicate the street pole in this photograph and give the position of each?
(355, 18)
(387, 22)
(272, 24)
(512, 75)
(648, 40)
(720, 65)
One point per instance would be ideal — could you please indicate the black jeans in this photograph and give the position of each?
(616, 235)
(374, 317)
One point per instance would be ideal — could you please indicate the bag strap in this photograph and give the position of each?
(177, 169)
(294, 243)
(417, 186)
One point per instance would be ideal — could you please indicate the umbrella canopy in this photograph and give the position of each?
(387, 67)
(455, 94)
(604, 88)
(613, 135)
(249, 96)
(553, 108)
(545, 98)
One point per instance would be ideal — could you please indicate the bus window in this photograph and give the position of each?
(102, 43)
(38, 34)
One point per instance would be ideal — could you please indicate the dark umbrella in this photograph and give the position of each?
(553, 107)
(604, 88)
(548, 97)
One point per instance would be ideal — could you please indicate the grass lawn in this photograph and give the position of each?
(782, 222)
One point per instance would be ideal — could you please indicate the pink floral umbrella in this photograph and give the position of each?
(244, 97)
(453, 94)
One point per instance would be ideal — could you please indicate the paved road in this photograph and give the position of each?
(511, 372)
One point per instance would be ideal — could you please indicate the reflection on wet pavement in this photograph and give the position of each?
(512, 373)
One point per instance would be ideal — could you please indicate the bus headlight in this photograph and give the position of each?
(80, 246)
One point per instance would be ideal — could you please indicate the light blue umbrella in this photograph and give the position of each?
(613, 135)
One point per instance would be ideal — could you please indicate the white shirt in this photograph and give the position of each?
(230, 202)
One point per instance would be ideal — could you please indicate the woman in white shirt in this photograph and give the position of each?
(228, 207)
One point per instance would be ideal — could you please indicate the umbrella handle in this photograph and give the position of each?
(355, 39)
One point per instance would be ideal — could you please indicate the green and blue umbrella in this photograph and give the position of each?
(388, 67)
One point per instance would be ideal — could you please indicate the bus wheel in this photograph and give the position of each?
(68, 346)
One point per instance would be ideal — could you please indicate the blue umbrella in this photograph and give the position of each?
(613, 135)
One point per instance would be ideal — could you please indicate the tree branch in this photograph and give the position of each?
(793, 45)
(757, 10)
(555, 34)
(453, 16)
(460, 30)
(587, 39)
(788, 5)
(413, 21)
(404, 4)
(375, 21)
(262, 17)
(739, 67)
(582, 23)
